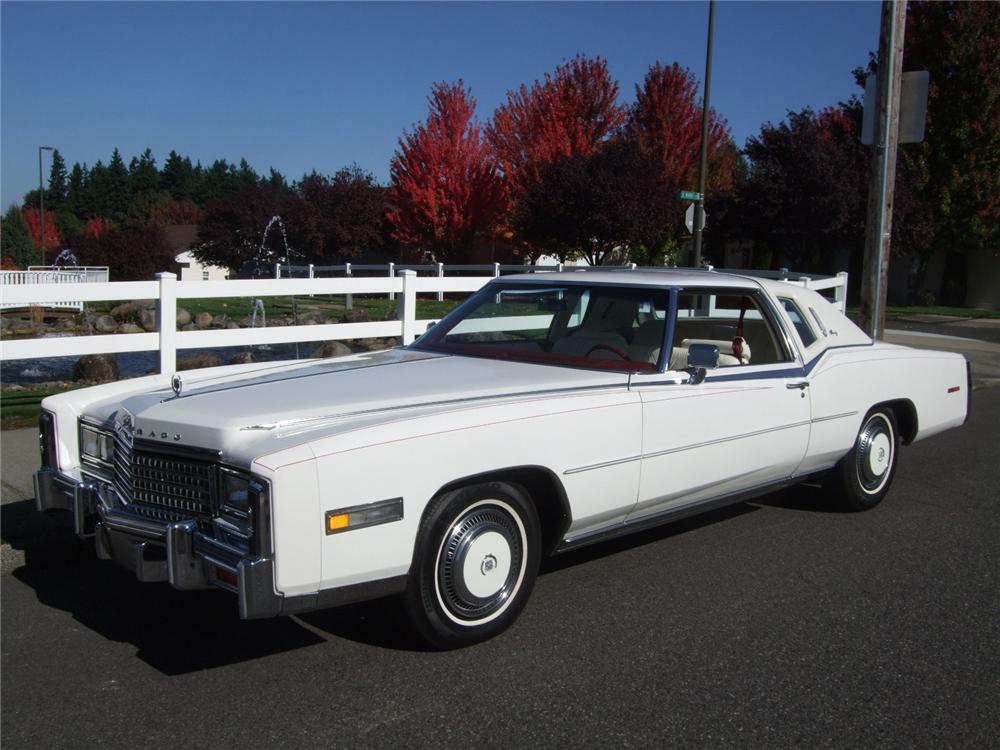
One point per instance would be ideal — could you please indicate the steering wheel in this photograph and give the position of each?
(611, 348)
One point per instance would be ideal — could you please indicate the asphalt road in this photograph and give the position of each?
(769, 624)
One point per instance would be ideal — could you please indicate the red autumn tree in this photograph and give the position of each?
(570, 113)
(666, 122)
(53, 240)
(97, 227)
(446, 194)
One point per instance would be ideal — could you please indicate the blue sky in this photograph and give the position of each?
(302, 86)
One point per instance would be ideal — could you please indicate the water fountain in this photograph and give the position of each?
(276, 219)
(66, 258)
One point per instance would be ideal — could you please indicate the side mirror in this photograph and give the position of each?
(701, 359)
(430, 325)
(703, 355)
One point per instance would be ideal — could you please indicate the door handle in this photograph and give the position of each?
(800, 386)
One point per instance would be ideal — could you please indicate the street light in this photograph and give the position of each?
(41, 199)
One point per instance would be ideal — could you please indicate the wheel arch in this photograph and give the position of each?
(544, 489)
(905, 414)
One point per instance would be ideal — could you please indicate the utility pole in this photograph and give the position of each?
(878, 229)
(41, 200)
(699, 205)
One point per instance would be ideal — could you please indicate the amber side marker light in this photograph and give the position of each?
(360, 516)
(955, 389)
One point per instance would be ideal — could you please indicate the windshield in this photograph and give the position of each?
(594, 327)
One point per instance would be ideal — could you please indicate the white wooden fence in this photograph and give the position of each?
(51, 275)
(166, 290)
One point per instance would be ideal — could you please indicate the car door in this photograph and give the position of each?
(746, 425)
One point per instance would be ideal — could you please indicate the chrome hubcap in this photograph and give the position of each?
(875, 453)
(479, 565)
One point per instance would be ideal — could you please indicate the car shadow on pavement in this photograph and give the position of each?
(811, 497)
(176, 632)
(181, 632)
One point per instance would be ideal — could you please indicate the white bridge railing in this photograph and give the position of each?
(166, 290)
(51, 275)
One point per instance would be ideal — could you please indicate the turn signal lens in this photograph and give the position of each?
(359, 516)
(338, 522)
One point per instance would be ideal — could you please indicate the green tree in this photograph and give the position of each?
(15, 239)
(143, 176)
(55, 196)
(178, 176)
(116, 200)
(75, 198)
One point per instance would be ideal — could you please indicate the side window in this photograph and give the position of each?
(799, 321)
(733, 320)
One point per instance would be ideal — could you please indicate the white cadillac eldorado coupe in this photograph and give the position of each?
(547, 412)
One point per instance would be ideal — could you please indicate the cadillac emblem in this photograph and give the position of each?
(177, 385)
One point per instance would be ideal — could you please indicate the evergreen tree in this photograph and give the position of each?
(74, 191)
(143, 176)
(276, 180)
(246, 177)
(95, 191)
(116, 201)
(55, 196)
(178, 176)
(15, 239)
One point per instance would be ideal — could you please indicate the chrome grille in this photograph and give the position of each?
(171, 488)
(159, 486)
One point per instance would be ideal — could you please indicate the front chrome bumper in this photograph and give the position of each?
(178, 552)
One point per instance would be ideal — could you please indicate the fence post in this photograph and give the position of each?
(804, 280)
(633, 266)
(392, 273)
(277, 270)
(440, 276)
(406, 306)
(166, 321)
(349, 299)
(496, 275)
(840, 292)
(559, 267)
(311, 274)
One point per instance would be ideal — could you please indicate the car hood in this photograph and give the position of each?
(238, 412)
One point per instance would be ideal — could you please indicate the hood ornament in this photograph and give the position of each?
(177, 384)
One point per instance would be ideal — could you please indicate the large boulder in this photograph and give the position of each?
(147, 319)
(197, 361)
(203, 319)
(105, 324)
(331, 349)
(243, 358)
(183, 317)
(220, 320)
(356, 315)
(96, 368)
(129, 328)
(132, 311)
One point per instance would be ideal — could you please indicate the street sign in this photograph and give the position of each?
(689, 219)
(912, 107)
(689, 195)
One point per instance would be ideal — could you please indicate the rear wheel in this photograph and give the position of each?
(863, 476)
(475, 564)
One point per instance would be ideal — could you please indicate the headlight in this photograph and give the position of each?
(96, 446)
(235, 494)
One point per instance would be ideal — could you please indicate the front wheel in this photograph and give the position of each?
(862, 478)
(475, 564)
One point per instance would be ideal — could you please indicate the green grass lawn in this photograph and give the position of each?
(21, 408)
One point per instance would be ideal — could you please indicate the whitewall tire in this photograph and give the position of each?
(475, 564)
